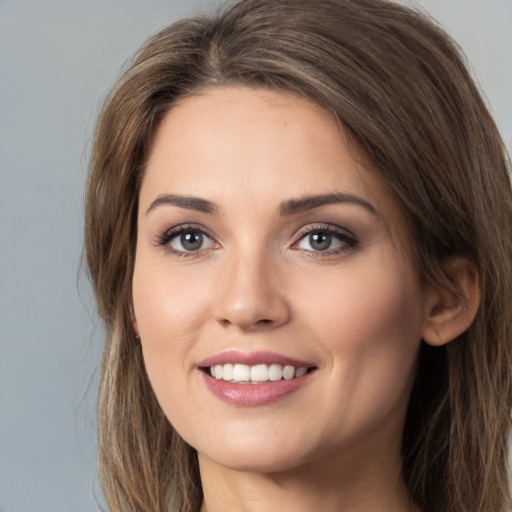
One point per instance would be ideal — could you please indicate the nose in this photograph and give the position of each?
(250, 296)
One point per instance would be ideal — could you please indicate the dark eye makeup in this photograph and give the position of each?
(322, 240)
(315, 240)
(186, 240)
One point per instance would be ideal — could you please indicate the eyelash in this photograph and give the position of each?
(166, 238)
(347, 240)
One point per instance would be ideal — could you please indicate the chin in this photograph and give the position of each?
(260, 451)
(258, 460)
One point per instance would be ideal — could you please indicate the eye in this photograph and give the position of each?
(317, 242)
(190, 241)
(185, 240)
(325, 239)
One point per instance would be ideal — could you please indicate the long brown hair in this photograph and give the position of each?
(400, 87)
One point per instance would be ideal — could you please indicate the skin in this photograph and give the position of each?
(355, 311)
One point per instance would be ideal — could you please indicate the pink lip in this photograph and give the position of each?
(251, 395)
(251, 359)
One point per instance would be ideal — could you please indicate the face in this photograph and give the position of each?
(279, 316)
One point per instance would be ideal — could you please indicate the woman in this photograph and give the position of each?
(298, 226)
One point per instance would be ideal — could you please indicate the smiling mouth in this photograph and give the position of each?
(257, 374)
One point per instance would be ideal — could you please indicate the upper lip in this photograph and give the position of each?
(252, 359)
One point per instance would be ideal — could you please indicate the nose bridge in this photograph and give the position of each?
(250, 295)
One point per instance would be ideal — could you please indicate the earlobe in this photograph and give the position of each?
(452, 311)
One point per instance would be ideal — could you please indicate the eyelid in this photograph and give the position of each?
(348, 238)
(163, 239)
(345, 236)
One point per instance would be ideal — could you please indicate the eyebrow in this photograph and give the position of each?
(286, 208)
(188, 202)
(302, 204)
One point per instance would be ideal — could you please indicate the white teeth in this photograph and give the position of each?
(257, 373)
(241, 373)
(227, 372)
(288, 372)
(299, 372)
(275, 372)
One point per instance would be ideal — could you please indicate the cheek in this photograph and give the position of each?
(372, 304)
(368, 322)
(169, 309)
(169, 312)
(167, 301)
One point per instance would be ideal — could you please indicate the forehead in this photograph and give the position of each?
(255, 148)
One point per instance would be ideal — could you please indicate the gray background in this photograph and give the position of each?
(57, 60)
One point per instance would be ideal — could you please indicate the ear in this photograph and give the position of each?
(452, 311)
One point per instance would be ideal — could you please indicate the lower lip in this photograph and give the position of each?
(252, 395)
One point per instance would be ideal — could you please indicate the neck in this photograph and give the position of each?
(357, 485)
